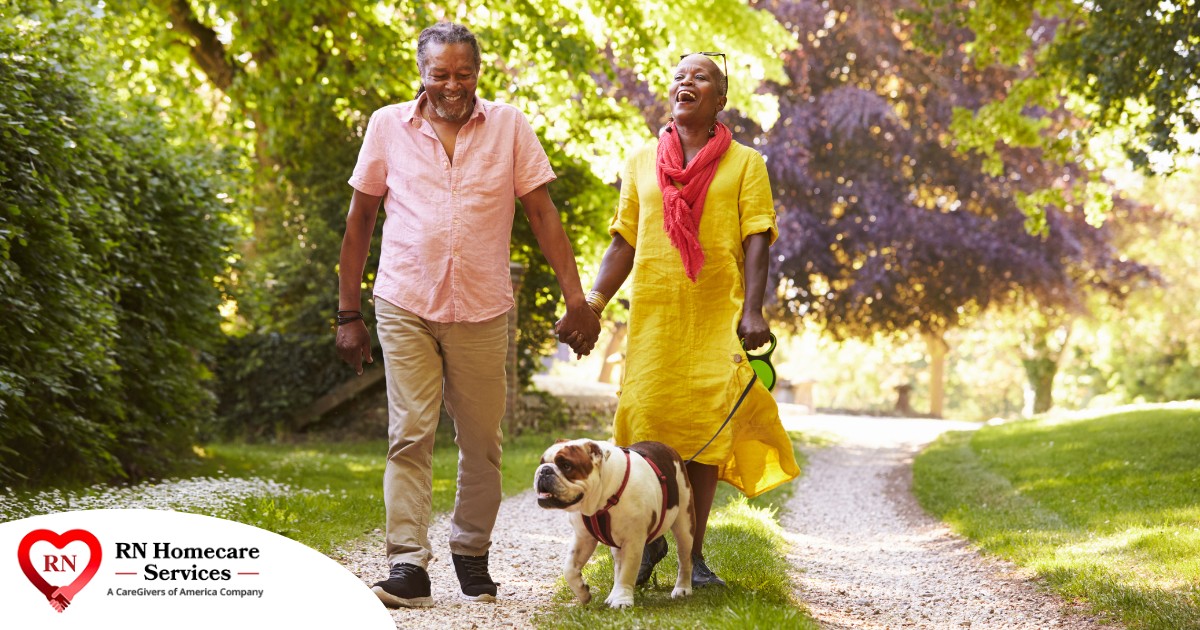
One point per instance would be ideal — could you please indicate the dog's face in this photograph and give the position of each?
(566, 472)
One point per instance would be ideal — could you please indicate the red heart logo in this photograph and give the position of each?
(59, 596)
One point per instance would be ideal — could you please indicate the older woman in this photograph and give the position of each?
(694, 224)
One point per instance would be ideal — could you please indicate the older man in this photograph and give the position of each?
(450, 165)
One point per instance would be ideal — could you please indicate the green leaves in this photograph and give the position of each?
(1034, 205)
(111, 236)
(304, 79)
(1113, 64)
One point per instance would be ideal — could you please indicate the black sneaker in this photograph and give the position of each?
(654, 552)
(473, 577)
(407, 585)
(702, 575)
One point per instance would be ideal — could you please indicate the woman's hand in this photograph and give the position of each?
(753, 330)
(578, 328)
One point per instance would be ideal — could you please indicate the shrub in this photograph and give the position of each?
(112, 239)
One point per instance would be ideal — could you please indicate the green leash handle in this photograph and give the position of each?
(762, 364)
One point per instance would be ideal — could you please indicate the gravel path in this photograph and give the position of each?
(526, 560)
(866, 555)
(869, 557)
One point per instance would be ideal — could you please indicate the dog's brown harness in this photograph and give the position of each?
(599, 525)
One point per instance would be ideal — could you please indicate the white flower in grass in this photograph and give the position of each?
(203, 495)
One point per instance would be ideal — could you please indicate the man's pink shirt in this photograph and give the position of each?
(448, 224)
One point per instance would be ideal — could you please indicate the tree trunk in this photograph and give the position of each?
(612, 350)
(211, 56)
(936, 345)
(1043, 349)
(1041, 373)
(204, 46)
(903, 407)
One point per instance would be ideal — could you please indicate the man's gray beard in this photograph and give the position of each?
(450, 114)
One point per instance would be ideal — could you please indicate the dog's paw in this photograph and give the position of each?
(619, 600)
(584, 594)
(680, 592)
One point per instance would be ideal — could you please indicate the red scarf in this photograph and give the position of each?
(682, 208)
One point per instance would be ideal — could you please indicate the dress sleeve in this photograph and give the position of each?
(370, 173)
(755, 205)
(531, 167)
(625, 221)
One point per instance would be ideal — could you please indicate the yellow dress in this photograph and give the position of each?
(685, 367)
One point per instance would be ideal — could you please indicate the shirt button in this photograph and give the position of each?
(737, 358)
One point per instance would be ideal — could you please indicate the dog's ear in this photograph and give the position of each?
(596, 452)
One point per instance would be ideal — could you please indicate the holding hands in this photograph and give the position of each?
(579, 328)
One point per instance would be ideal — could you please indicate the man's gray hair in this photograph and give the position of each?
(445, 33)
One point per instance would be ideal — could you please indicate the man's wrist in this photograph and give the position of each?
(576, 301)
(346, 316)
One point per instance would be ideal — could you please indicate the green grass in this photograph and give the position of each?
(744, 545)
(337, 497)
(348, 478)
(1105, 508)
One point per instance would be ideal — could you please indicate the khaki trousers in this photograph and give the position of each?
(425, 363)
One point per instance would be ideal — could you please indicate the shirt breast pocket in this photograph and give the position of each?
(490, 174)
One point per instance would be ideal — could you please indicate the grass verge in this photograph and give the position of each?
(346, 483)
(1105, 508)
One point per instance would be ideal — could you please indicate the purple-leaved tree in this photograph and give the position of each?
(885, 227)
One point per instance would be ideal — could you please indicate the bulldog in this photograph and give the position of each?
(623, 498)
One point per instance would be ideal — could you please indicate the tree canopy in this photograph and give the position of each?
(1129, 67)
(294, 85)
(179, 165)
(885, 226)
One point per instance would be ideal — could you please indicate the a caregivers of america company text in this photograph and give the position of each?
(186, 592)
